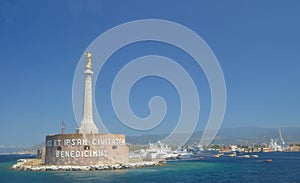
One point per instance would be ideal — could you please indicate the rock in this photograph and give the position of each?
(20, 165)
(99, 168)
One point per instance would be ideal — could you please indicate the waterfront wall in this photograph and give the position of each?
(86, 149)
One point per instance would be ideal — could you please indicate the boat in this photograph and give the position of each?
(244, 156)
(183, 153)
(268, 160)
(274, 146)
(230, 154)
(218, 155)
(158, 150)
(198, 151)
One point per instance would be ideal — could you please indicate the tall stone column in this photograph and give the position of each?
(87, 124)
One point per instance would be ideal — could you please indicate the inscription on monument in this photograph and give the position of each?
(88, 151)
(79, 142)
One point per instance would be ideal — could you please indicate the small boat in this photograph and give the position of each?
(254, 156)
(232, 155)
(184, 155)
(244, 156)
(268, 160)
(218, 155)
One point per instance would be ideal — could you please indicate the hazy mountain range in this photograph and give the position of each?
(225, 136)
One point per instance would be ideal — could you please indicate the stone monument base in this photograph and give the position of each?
(86, 149)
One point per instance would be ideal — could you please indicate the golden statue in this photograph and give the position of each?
(89, 60)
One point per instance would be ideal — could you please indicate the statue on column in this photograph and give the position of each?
(89, 60)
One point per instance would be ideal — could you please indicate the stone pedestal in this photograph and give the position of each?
(86, 149)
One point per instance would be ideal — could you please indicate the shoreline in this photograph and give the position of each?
(35, 165)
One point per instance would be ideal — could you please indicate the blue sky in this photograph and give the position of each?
(41, 42)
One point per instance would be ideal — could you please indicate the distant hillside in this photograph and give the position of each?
(226, 136)
(26, 150)
(144, 139)
(9, 150)
(255, 135)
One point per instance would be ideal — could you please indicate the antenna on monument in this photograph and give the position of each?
(62, 127)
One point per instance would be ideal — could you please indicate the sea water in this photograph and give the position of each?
(285, 167)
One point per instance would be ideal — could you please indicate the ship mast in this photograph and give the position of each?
(281, 138)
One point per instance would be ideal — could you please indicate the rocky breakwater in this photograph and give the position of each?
(33, 165)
